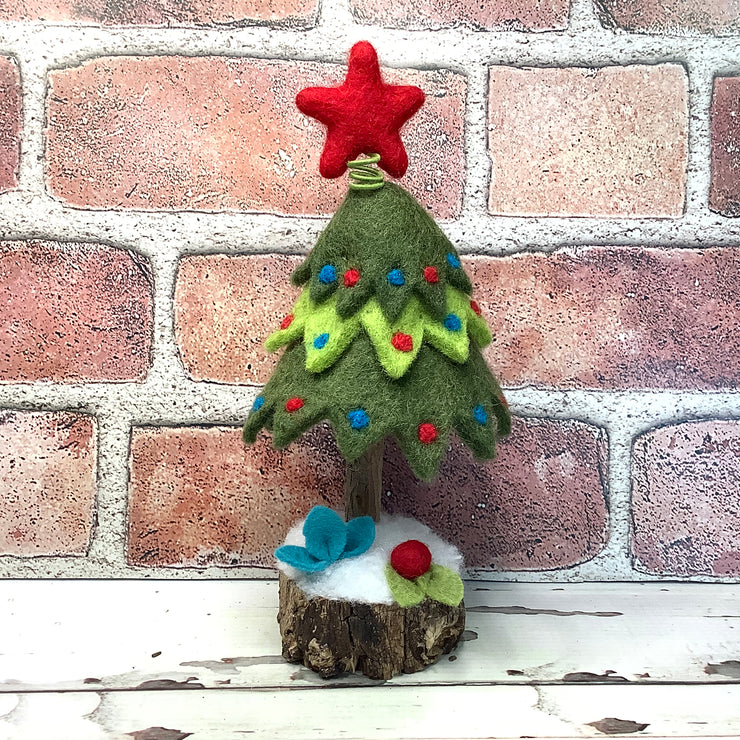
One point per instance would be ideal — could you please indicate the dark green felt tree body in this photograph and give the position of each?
(384, 340)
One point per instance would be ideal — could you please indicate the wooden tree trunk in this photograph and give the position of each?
(332, 637)
(363, 484)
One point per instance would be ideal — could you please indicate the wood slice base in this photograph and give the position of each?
(332, 637)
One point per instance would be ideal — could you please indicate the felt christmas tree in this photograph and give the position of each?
(385, 338)
(384, 341)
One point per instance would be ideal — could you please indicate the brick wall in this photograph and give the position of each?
(158, 186)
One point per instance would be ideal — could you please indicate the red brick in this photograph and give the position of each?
(73, 312)
(522, 15)
(541, 504)
(159, 12)
(676, 16)
(613, 317)
(47, 483)
(225, 308)
(199, 497)
(10, 123)
(588, 142)
(215, 133)
(724, 192)
(685, 509)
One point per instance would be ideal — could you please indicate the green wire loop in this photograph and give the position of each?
(363, 175)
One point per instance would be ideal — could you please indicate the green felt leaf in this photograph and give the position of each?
(503, 415)
(405, 592)
(457, 277)
(321, 291)
(452, 342)
(478, 329)
(287, 425)
(433, 295)
(282, 337)
(302, 273)
(327, 335)
(393, 298)
(410, 323)
(351, 300)
(256, 421)
(442, 584)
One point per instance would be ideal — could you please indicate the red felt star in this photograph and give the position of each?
(363, 116)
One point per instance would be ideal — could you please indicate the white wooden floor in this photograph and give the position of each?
(165, 660)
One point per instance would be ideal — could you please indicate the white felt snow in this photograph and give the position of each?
(363, 578)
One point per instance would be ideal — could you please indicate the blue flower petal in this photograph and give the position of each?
(360, 535)
(325, 533)
(300, 558)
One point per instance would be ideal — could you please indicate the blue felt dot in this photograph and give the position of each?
(452, 322)
(327, 274)
(321, 340)
(480, 414)
(453, 261)
(395, 277)
(259, 402)
(358, 419)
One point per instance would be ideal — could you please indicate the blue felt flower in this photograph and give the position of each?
(328, 539)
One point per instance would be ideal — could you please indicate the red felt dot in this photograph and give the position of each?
(427, 433)
(351, 278)
(411, 559)
(474, 305)
(431, 275)
(287, 321)
(293, 404)
(402, 342)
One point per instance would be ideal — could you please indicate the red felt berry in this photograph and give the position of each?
(351, 278)
(287, 321)
(431, 275)
(402, 342)
(427, 433)
(293, 404)
(474, 305)
(411, 559)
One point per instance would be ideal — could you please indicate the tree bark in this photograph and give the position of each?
(332, 637)
(363, 484)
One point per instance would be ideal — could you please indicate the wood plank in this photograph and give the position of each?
(401, 713)
(88, 635)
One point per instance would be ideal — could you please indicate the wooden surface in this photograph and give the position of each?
(156, 660)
